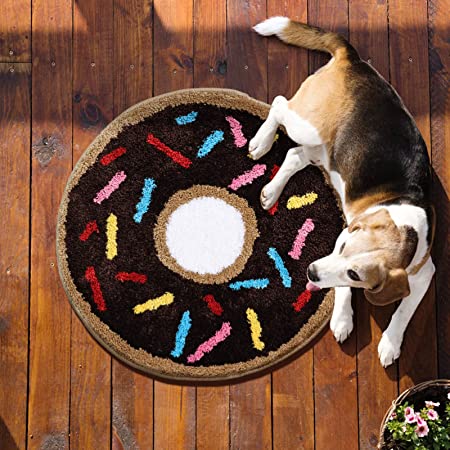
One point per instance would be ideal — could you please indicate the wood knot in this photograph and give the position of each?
(46, 149)
(90, 114)
(222, 67)
(182, 60)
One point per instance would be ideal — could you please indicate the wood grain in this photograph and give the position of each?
(210, 22)
(376, 386)
(247, 51)
(335, 371)
(93, 105)
(292, 385)
(174, 423)
(15, 31)
(49, 364)
(132, 396)
(173, 45)
(15, 118)
(409, 75)
(213, 403)
(250, 402)
(439, 59)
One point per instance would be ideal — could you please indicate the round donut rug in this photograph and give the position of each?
(168, 257)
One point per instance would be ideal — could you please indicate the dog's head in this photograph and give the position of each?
(373, 255)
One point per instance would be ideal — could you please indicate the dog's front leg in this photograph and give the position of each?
(297, 158)
(391, 341)
(263, 139)
(342, 318)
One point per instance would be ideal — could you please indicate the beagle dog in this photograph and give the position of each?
(348, 119)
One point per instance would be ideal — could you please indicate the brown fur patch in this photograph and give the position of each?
(324, 100)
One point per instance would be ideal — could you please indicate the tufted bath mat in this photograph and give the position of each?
(167, 256)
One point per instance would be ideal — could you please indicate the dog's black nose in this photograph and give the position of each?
(312, 274)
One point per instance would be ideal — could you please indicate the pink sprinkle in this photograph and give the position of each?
(113, 184)
(299, 242)
(248, 177)
(208, 345)
(236, 129)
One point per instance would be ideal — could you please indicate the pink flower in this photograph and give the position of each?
(431, 404)
(393, 416)
(404, 428)
(410, 416)
(422, 427)
(432, 414)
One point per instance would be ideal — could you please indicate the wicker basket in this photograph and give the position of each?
(402, 397)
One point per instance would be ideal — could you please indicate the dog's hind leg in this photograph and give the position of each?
(297, 158)
(391, 341)
(263, 139)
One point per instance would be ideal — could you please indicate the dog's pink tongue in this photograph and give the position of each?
(312, 287)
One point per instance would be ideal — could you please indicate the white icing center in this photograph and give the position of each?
(205, 235)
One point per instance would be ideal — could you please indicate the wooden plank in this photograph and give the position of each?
(90, 412)
(173, 45)
(409, 75)
(174, 422)
(132, 413)
(210, 37)
(213, 403)
(133, 58)
(292, 385)
(15, 31)
(15, 116)
(376, 386)
(250, 402)
(439, 58)
(50, 313)
(335, 371)
(247, 51)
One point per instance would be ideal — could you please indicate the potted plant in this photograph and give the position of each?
(419, 419)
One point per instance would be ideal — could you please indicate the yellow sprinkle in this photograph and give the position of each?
(255, 328)
(154, 303)
(111, 234)
(296, 202)
(276, 137)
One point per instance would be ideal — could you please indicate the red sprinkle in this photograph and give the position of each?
(274, 209)
(131, 276)
(110, 157)
(274, 171)
(174, 155)
(89, 229)
(213, 305)
(302, 300)
(95, 286)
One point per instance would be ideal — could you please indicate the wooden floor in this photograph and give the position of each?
(67, 68)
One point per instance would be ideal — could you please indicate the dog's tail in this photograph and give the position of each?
(307, 36)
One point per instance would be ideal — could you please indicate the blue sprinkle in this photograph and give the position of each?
(146, 198)
(208, 144)
(258, 283)
(188, 118)
(279, 264)
(182, 332)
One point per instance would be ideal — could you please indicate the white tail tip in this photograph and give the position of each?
(274, 25)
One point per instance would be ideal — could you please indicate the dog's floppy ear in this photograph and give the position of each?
(395, 286)
(377, 219)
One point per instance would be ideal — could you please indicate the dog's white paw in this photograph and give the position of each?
(341, 326)
(269, 196)
(260, 144)
(388, 350)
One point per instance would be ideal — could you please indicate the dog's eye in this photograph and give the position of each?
(353, 275)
